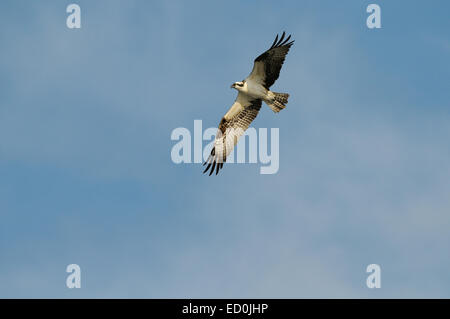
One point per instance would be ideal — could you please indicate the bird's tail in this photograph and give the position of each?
(279, 101)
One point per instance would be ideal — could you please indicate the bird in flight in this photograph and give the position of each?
(252, 91)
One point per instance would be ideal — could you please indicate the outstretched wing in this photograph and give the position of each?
(267, 66)
(231, 128)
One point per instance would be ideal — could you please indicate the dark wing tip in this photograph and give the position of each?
(217, 168)
(207, 168)
(281, 41)
(285, 41)
(212, 164)
(274, 42)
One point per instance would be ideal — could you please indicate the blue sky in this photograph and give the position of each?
(86, 175)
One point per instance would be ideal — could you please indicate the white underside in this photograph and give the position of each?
(255, 90)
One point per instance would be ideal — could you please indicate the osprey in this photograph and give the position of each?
(252, 91)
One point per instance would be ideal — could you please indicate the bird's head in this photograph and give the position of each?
(238, 85)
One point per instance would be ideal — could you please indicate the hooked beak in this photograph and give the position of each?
(232, 85)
